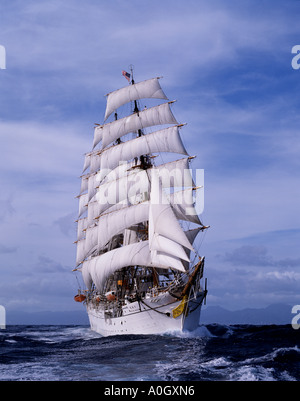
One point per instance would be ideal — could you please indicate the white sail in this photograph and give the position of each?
(124, 168)
(158, 115)
(121, 170)
(84, 184)
(83, 200)
(136, 183)
(82, 225)
(124, 188)
(101, 267)
(87, 162)
(114, 223)
(191, 235)
(182, 203)
(94, 162)
(166, 140)
(162, 220)
(80, 251)
(124, 203)
(109, 225)
(163, 244)
(92, 186)
(178, 169)
(91, 241)
(176, 174)
(87, 278)
(93, 212)
(124, 183)
(120, 219)
(141, 90)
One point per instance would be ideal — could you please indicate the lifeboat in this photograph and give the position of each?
(110, 296)
(79, 298)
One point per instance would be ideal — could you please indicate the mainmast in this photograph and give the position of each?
(145, 160)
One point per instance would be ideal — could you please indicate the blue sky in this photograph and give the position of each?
(228, 63)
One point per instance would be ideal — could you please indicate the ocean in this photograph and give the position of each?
(211, 353)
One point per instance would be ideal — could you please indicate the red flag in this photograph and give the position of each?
(126, 75)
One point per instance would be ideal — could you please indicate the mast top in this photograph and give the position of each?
(131, 72)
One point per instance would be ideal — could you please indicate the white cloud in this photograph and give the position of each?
(96, 39)
(283, 276)
(33, 148)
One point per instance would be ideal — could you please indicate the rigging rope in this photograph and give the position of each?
(155, 309)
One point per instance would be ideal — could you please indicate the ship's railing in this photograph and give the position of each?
(97, 299)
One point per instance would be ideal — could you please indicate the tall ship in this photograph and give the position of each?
(137, 219)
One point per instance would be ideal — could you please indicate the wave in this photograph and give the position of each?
(279, 355)
(201, 331)
(48, 334)
(211, 352)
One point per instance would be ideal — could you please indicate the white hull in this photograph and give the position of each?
(139, 318)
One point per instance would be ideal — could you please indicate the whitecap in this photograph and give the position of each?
(200, 331)
(216, 362)
(252, 373)
(53, 334)
(272, 355)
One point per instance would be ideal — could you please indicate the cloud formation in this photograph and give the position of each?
(229, 66)
(249, 255)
